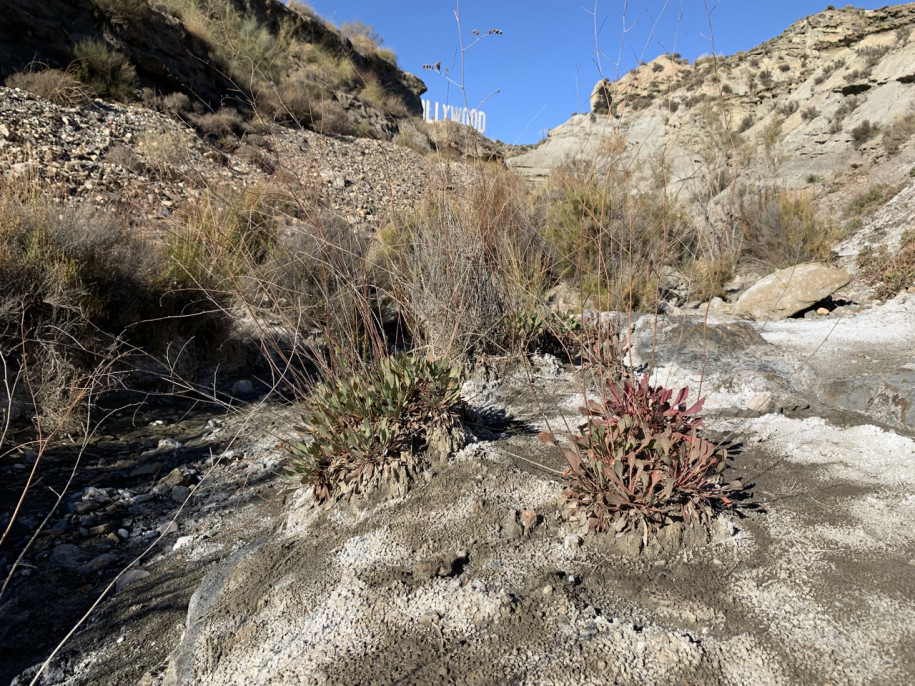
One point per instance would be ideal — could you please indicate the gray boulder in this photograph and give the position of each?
(789, 291)
(600, 97)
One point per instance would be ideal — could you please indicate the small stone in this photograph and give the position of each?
(67, 556)
(100, 530)
(183, 542)
(166, 444)
(87, 506)
(101, 562)
(547, 590)
(822, 311)
(146, 469)
(528, 519)
(129, 577)
(170, 528)
(573, 541)
(242, 387)
(761, 402)
(174, 478)
(123, 534)
(180, 493)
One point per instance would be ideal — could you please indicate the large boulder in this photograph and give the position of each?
(789, 291)
(600, 97)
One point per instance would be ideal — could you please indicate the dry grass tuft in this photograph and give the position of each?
(60, 87)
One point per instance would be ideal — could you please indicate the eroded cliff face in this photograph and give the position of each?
(168, 56)
(832, 95)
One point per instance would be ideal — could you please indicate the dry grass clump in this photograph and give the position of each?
(781, 228)
(899, 133)
(465, 265)
(889, 273)
(164, 150)
(74, 285)
(122, 11)
(613, 243)
(107, 73)
(367, 41)
(60, 87)
(376, 94)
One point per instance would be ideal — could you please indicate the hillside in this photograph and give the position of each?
(829, 101)
(280, 60)
(296, 388)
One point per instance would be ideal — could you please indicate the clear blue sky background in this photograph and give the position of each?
(545, 63)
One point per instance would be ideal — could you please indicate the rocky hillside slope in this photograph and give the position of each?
(238, 53)
(829, 100)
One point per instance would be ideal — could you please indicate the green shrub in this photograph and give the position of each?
(640, 462)
(369, 427)
(874, 196)
(122, 11)
(107, 73)
(60, 87)
(863, 132)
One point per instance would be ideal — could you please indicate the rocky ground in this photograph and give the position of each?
(150, 165)
(473, 577)
(199, 561)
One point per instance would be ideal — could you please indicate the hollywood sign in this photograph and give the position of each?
(464, 115)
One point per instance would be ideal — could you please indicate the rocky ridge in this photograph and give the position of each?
(789, 112)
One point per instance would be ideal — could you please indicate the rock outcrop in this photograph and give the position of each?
(832, 94)
(789, 291)
(601, 99)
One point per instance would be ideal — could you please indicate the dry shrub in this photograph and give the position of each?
(60, 87)
(124, 156)
(74, 283)
(227, 121)
(301, 276)
(899, 132)
(611, 242)
(465, 265)
(781, 228)
(164, 150)
(108, 73)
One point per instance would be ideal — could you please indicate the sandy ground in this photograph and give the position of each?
(810, 580)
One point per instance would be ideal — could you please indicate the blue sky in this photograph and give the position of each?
(546, 61)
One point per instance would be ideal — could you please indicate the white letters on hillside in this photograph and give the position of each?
(474, 118)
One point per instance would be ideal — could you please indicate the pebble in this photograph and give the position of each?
(573, 541)
(129, 577)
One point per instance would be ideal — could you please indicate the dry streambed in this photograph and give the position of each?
(473, 577)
